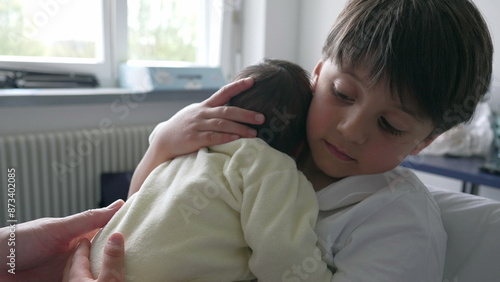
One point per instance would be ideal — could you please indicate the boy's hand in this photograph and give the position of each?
(196, 126)
(207, 123)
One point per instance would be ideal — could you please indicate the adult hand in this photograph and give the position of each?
(112, 269)
(43, 246)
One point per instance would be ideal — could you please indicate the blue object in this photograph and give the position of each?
(152, 78)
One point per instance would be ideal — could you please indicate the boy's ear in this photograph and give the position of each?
(423, 144)
(315, 74)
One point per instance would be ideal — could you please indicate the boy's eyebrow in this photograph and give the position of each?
(412, 112)
(357, 78)
(409, 110)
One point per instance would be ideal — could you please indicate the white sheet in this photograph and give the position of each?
(473, 227)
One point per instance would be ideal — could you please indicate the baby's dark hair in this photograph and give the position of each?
(435, 53)
(282, 92)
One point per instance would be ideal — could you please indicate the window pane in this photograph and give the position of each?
(173, 30)
(51, 28)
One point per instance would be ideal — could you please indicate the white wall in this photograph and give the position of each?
(253, 31)
(48, 118)
(317, 18)
(270, 30)
(285, 19)
(490, 9)
(287, 29)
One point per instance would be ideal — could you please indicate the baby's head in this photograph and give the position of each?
(436, 54)
(282, 92)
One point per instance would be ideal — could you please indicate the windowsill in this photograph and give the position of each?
(79, 96)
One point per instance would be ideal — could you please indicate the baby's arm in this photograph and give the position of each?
(199, 125)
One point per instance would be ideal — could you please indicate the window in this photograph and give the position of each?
(184, 31)
(95, 36)
(46, 31)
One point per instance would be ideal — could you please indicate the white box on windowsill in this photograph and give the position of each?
(154, 78)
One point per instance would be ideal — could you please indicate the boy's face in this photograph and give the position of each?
(355, 128)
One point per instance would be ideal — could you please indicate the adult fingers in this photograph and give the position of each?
(113, 263)
(67, 267)
(87, 221)
(78, 266)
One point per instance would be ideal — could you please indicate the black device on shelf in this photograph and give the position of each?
(32, 79)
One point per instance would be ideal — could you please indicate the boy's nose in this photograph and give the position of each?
(354, 128)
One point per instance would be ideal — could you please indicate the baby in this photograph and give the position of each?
(233, 212)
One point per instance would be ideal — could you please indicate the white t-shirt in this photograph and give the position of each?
(382, 227)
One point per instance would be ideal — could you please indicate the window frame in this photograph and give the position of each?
(115, 48)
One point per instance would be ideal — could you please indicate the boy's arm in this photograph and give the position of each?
(152, 158)
(199, 125)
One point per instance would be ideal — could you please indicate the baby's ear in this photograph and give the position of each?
(423, 144)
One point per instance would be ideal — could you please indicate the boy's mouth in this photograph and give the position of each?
(337, 152)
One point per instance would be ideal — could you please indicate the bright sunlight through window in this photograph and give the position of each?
(174, 30)
(96, 36)
(51, 30)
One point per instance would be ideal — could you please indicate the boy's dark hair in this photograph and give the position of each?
(435, 53)
(282, 92)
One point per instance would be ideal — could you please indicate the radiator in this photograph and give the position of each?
(57, 174)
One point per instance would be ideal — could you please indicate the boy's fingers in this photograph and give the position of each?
(217, 101)
(225, 130)
(228, 91)
(235, 114)
(215, 138)
(113, 262)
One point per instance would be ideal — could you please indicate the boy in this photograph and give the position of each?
(233, 212)
(393, 76)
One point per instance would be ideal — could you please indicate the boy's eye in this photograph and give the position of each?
(385, 125)
(341, 96)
